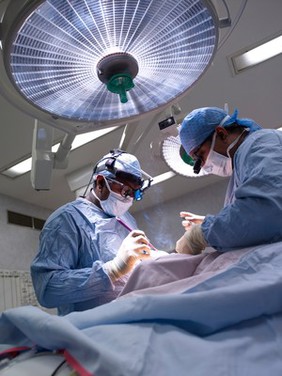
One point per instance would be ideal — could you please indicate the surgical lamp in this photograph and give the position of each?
(86, 64)
(177, 159)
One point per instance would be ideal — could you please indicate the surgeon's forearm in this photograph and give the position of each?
(240, 224)
(73, 286)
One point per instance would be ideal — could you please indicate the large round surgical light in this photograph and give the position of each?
(176, 159)
(107, 60)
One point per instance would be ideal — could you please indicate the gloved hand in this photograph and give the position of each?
(133, 248)
(191, 219)
(192, 242)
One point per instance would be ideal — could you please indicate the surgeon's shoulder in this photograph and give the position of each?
(63, 213)
(261, 139)
(264, 136)
(259, 145)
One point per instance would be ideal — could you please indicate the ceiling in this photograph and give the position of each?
(256, 92)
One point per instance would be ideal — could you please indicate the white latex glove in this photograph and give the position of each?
(192, 242)
(133, 248)
(191, 219)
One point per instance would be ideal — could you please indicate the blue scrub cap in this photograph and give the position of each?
(199, 124)
(122, 161)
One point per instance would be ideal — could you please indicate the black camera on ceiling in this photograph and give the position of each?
(166, 123)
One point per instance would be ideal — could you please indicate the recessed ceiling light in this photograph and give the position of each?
(18, 169)
(162, 177)
(257, 54)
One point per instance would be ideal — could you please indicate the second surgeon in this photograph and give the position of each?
(85, 254)
(226, 145)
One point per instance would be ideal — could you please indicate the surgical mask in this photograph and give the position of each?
(115, 205)
(219, 164)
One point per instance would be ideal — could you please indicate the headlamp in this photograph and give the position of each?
(138, 195)
(137, 181)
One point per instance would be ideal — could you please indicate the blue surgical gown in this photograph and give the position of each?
(252, 213)
(76, 241)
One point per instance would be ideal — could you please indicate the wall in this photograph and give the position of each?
(162, 224)
(18, 244)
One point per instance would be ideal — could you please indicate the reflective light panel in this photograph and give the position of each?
(55, 52)
(171, 153)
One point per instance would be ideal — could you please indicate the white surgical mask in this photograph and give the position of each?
(115, 205)
(219, 164)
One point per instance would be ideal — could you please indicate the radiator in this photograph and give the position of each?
(16, 290)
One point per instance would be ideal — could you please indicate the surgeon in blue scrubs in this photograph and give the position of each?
(86, 254)
(226, 145)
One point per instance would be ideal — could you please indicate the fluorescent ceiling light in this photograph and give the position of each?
(258, 54)
(84, 138)
(80, 140)
(18, 169)
(160, 178)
